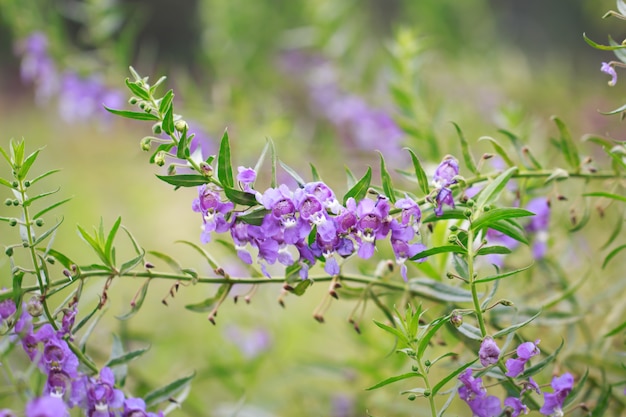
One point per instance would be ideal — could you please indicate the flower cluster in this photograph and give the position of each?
(79, 98)
(311, 220)
(66, 387)
(475, 395)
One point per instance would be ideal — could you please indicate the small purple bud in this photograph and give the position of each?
(489, 352)
(608, 69)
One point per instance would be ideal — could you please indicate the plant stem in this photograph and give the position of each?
(472, 279)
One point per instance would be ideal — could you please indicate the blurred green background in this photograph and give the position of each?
(252, 67)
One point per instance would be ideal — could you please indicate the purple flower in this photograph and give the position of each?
(553, 402)
(101, 396)
(46, 406)
(373, 224)
(516, 405)
(475, 395)
(7, 309)
(251, 343)
(608, 69)
(402, 249)
(444, 196)
(525, 351)
(37, 67)
(136, 407)
(445, 173)
(539, 225)
(82, 98)
(213, 211)
(489, 352)
(246, 177)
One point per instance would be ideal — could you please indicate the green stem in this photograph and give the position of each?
(472, 282)
(431, 398)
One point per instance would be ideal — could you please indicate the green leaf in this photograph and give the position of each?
(455, 213)
(184, 180)
(44, 175)
(28, 162)
(47, 233)
(432, 329)
(6, 183)
(126, 357)
(29, 201)
(164, 393)
(420, 174)
(255, 217)
(616, 330)
(359, 190)
(612, 254)
(392, 330)
(603, 402)
(240, 197)
(85, 319)
(451, 376)
(131, 263)
(606, 195)
(617, 110)
(166, 102)
(134, 115)
(616, 231)
(202, 252)
(493, 215)
(171, 262)
(137, 90)
(167, 124)
(469, 331)
(6, 156)
(137, 302)
(224, 168)
(438, 250)
(602, 47)
(386, 180)
(493, 250)
(578, 388)
(510, 228)
(467, 156)
(515, 327)
(209, 303)
(53, 206)
(302, 286)
(314, 174)
(108, 247)
(61, 258)
(503, 275)
(492, 191)
(293, 174)
(395, 379)
(437, 290)
(567, 145)
(499, 150)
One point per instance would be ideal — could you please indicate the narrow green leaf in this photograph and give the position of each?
(47, 233)
(29, 201)
(137, 302)
(386, 180)
(392, 330)
(314, 174)
(184, 180)
(259, 162)
(606, 195)
(437, 250)
(108, 247)
(134, 115)
(93, 243)
(455, 213)
(166, 102)
(616, 231)
(432, 329)
(302, 286)
(17, 152)
(467, 156)
(202, 252)
(510, 228)
(469, 331)
(83, 340)
(209, 303)
(499, 150)
(503, 275)
(359, 190)
(515, 327)
(44, 175)
(492, 191)
(420, 174)
(612, 254)
(6, 156)
(255, 217)
(85, 319)
(437, 290)
(602, 47)
(568, 147)
(493, 250)
(53, 206)
(18, 277)
(293, 174)
(171, 262)
(580, 222)
(6, 183)
(493, 215)
(616, 330)
(224, 168)
(28, 162)
(157, 84)
(61, 258)
(273, 159)
(126, 357)
(350, 178)
(240, 197)
(617, 110)
(135, 74)
(603, 402)
(137, 90)
(131, 263)
(167, 124)
(395, 379)
(182, 149)
(164, 393)
(451, 376)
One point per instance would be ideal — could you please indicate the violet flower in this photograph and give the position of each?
(489, 352)
(101, 395)
(213, 211)
(475, 395)
(553, 402)
(136, 407)
(516, 405)
(607, 68)
(373, 224)
(442, 180)
(525, 351)
(246, 176)
(538, 225)
(7, 309)
(37, 66)
(46, 406)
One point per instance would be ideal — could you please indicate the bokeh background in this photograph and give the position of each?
(323, 79)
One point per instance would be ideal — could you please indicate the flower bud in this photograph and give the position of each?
(157, 128)
(39, 222)
(16, 202)
(456, 319)
(133, 100)
(8, 251)
(467, 213)
(181, 125)
(470, 203)
(454, 228)
(206, 168)
(34, 307)
(412, 397)
(15, 184)
(8, 202)
(159, 159)
(50, 260)
(12, 221)
(171, 170)
(452, 238)
(145, 143)
(27, 183)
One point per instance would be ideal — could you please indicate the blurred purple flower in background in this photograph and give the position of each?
(538, 225)
(251, 343)
(37, 67)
